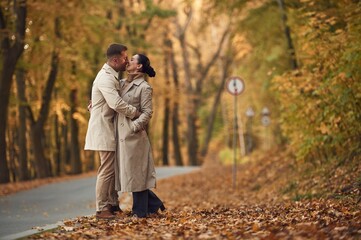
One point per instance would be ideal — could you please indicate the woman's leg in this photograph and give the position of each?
(140, 203)
(154, 203)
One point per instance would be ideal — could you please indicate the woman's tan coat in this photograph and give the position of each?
(134, 166)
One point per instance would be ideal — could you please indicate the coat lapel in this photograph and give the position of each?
(136, 82)
(127, 88)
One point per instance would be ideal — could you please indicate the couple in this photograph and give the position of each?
(119, 114)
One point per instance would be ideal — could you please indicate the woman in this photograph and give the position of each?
(134, 167)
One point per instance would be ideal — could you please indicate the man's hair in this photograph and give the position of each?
(115, 49)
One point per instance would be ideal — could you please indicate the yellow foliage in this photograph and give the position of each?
(321, 100)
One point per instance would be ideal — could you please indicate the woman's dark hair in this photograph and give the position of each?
(146, 68)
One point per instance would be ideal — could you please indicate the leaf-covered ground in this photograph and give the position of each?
(203, 205)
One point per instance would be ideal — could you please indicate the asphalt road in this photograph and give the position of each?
(55, 202)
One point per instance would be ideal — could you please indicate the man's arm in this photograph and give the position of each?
(108, 89)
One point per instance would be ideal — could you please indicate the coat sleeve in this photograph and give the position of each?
(108, 89)
(146, 109)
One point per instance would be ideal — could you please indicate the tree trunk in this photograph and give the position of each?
(12, 135)
(9, 56)
(39, 140)
(57, 154)
(42, 164)
(192, 139)
(195, 92)
(74, 132)
(192, 143)
(166, 115)
(23, 157)
(287, 31)
(90, 156)
(64, 146)
(175, 115)
(212, 115)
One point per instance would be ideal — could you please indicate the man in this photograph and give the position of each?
(105, 102)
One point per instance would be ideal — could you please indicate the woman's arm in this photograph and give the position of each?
(146, 109)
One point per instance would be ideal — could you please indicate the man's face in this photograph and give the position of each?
(121, 61)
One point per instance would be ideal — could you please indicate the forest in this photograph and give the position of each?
(299, 59)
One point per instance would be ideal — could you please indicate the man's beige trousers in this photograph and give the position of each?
(105, 185)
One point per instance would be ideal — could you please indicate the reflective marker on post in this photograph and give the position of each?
(235, 86)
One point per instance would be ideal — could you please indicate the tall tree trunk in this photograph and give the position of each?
(43, 166)
(57, 154)
(287, 31)
(9, 56)
(74, 132)
(195, 92)
(23, 157)
(175, 135)
(166, 114)
(64, 146)
(217, 99)
(12, 152)
(191, 112)
(175, 115)
(192, 139)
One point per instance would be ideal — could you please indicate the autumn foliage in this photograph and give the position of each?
(308, 186)
(320, 100)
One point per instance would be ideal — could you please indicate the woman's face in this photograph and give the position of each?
(133, 65)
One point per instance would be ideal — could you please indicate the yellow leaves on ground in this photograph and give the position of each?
(203, 205)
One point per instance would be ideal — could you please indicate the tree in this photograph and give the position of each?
(166, 110)
(194, 91)
(12, 46)
(209, 129)
(325, 88)
(287, 32)
(42, 164)
(75, 160)
(175, 113)
(23, 156)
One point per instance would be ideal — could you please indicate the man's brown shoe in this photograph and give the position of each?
(105, 213)
(115, 209)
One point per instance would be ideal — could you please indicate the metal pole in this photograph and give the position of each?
(234, 143)
(250, 136)
(242, 145)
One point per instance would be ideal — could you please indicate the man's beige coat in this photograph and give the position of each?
(134, 168)
(106, 101)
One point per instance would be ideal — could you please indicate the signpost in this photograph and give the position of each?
(235, 86)
(249, 114)
(266, 121)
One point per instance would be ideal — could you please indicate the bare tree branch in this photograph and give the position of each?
(30, 114)
(211, 118)
(181, 30)
(44, 110)
(204, 72)
(197, 53)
